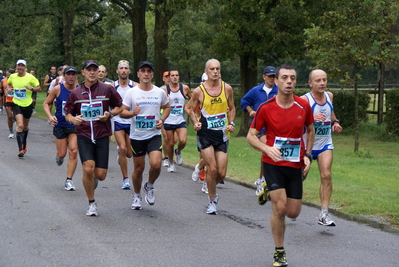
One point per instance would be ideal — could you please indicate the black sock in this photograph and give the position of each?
(91, 201)
(69, 178)
(279, 249)
(20, 140)
(25, 137)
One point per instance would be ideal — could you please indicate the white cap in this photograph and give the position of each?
(21, 61)
(1, 71)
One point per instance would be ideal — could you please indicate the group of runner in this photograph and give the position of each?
(142, 112)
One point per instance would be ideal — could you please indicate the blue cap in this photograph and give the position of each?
(269, 70)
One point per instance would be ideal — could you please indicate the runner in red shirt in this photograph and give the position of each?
(285, 163)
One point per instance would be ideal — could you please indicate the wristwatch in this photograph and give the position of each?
(232, 123)
(309, 156)
(335, 122)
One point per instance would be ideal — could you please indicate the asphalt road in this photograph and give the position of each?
(43, 225)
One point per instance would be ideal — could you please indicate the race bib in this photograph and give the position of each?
(91, 111)
(19, 93)
(145, 122)
(290, 148)
(322, 128)
(63, 106)
(216, 122)
(176, 110)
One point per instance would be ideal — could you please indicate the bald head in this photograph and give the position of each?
(316, 72)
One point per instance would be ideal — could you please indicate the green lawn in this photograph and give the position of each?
(365, 183)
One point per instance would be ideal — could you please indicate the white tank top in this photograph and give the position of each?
(177, 101)
(322, 129)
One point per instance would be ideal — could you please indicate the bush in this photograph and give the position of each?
(392, 107)
(344, 107)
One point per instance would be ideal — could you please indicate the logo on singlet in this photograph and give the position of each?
(216, 101)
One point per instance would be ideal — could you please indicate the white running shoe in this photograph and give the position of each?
(204, 188)
(171, 167)
(179, 159)
(325, 219)
(149, 196)
(165, 162)
(69, 185)
(136, 205)
(196, 173)
(11, 136)
(92, 211)
(212, 209)
(126, 185)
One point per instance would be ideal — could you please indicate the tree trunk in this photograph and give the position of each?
(161, 29)
(137, 17)
(248, 73)
(67, 23)
(356, 127)
(381, 87)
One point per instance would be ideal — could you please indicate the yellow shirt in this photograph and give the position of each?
(18, 82)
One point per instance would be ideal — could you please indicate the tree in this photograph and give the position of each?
(136, 10)
(350, 37)
(265, 29)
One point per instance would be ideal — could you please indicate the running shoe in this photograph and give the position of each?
(21, 154)
(171, 167)
(179, 159)
(279, 258)
(92, 211)
(59, 161)
(204, 188)
(136, 205)
(149, 195)
(216, 199)
(325, 219)
(196, 173)
(24, 148)
(11, 136)
(126, 185)
(165, 162)
(259, 188)
(202, 175)
(69, 185)
(212, 209)
(263, 195)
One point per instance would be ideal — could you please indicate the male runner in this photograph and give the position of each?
(325, 122)
(21, 85)
(88, 108)
(176, 122)
(285, 163)
(64, 132)
(122, 125)
(215, 98)
(143, 104)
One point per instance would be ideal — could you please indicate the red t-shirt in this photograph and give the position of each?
(281, 124)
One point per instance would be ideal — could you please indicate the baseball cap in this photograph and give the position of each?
(1, 71)
(269, 70)
(11, 70)
(146, 63)
(21, 61)
(89, 63)
(166, 73)
(70, 69)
